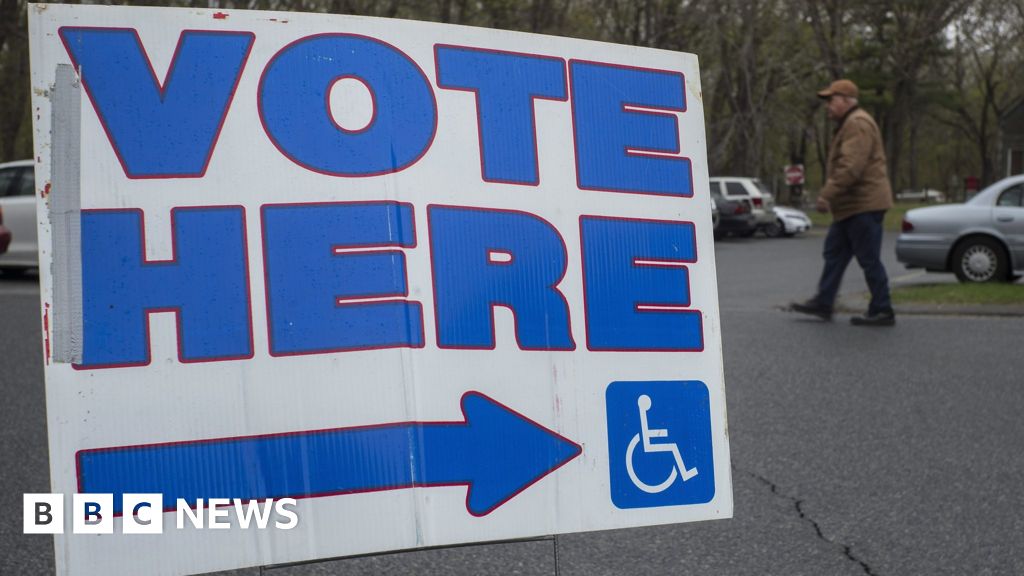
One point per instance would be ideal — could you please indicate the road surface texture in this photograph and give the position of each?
(855, 450)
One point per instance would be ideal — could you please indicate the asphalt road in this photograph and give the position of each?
(855, 450)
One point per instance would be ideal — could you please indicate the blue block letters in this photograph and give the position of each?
(634, 285)
(611, 140)
(485, 258)
(294, 100)
(207, 284)
(160, 131)
(336, 275)
(505, 84)
(308, 281)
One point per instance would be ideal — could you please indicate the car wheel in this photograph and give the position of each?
(980, 260)
(775, 229)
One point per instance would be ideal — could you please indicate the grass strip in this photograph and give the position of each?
(994, 293)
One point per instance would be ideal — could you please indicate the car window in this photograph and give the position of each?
(26, 184)
(735, 189)
(1012, 196)
(984, 197)
(7, 179)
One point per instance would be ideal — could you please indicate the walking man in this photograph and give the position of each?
(857, 192)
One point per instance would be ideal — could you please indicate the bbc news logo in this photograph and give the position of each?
(144, 514)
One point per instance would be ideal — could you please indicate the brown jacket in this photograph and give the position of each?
(858, 180)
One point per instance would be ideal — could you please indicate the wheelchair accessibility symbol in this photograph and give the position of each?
(646, 433)
(654, 430)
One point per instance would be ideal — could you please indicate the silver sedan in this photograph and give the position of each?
(980, 241)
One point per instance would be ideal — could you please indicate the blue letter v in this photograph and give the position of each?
(159, 131)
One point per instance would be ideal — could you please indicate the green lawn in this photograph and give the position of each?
(989, 293)
(893, 217)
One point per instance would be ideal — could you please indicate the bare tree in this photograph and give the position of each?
(983, 73)
(759, 80)
(761, 62)
(830, 20)
(15, 119)
(668, 24)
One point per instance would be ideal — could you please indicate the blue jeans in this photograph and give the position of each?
(861, 236)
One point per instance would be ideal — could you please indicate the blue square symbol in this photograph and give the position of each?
(659, 443)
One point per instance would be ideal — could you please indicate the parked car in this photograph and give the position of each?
(715, 216)
(788, 221)
(734, 216)
(5, 234)
(18, 205)
(979, 241)
(923, 195)
(751, 189)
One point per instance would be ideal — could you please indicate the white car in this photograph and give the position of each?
(738, 188)
(788, 221)
(18, 204)
(923, 195)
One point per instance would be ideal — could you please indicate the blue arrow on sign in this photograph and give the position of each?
(495, 451)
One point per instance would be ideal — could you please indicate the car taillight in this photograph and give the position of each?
(741, 208)
(758, 202)
(907, 226)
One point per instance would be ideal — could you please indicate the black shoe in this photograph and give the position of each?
(877, 319)
(812, 308)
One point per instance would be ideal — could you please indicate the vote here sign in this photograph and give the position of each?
(437, 284)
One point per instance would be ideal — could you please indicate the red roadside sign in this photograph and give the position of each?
(794, 174)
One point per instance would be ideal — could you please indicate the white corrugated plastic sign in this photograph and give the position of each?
(437, 284)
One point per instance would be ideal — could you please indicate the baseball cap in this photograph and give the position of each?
(842, 87)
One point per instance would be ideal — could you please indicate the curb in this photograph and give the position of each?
(857, 303)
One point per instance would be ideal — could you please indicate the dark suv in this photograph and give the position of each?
(736, 216)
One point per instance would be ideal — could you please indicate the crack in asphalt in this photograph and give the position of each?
(798, 505)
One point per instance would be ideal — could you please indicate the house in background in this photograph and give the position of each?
(1011, 140)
